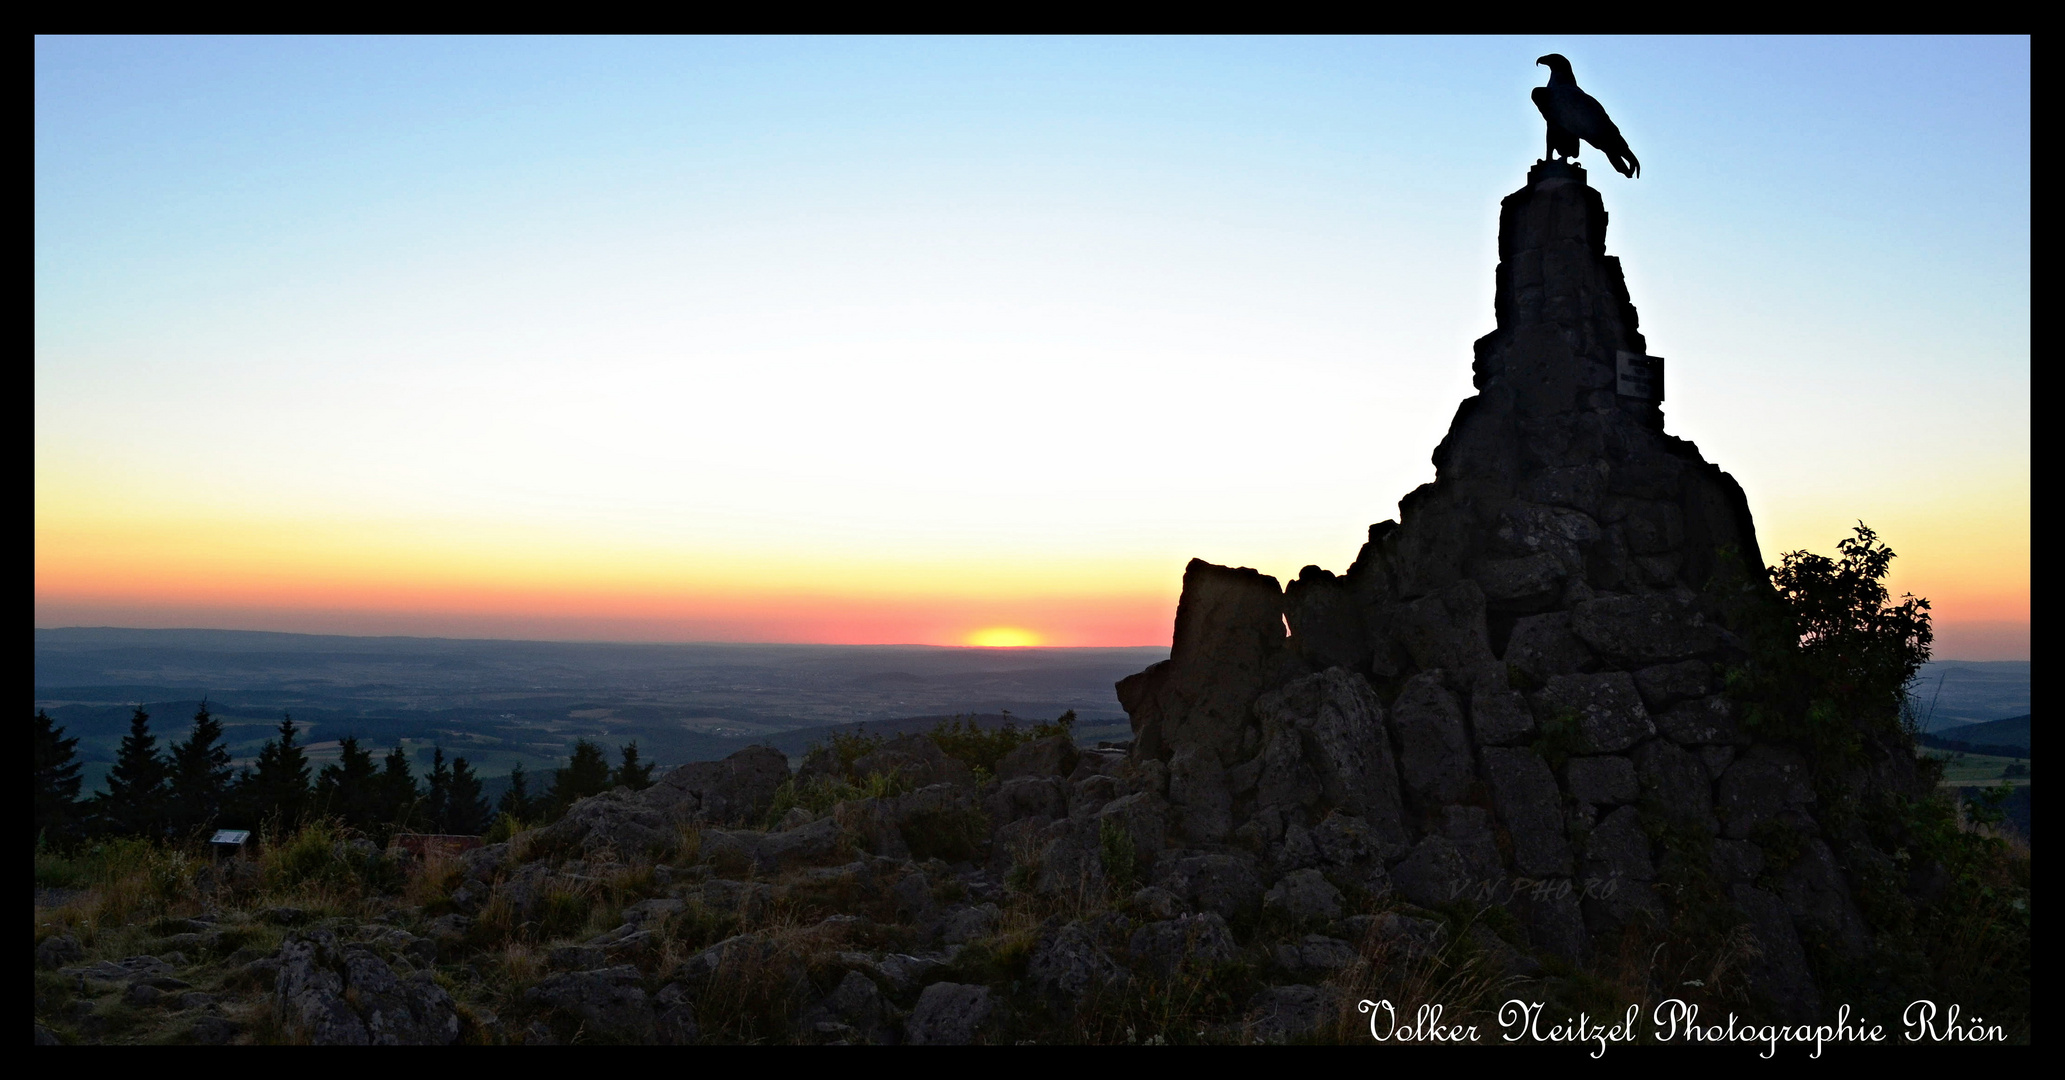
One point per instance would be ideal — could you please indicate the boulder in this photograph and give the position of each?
(1524, 792)
(734, 791)
(1195, 943)
(1447, 629)
(1609, 711)
(1618, 847)
(1777, 967)
(608, 1003)
(1703, 721)
(1228, 648)
(1326, 621)
(1665, 685)
(1542, 646)
(1644, 628)
(1315, 956)
(949, 1014)
(915, 759)
(1434, 748)
(1433, 874)
(1282, 1013)
(1067, 964)
(1331, 727)
(1220, 882)
(344, 995)
(1765, 784)
(855, 1009)
(1607, 780)
(1304, 894)
(58, 950)
(1675, 781)
(1029, 796)
(1054, 756)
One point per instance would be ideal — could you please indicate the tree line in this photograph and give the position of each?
(193, 785)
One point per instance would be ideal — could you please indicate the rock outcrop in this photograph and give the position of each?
(1510, 696)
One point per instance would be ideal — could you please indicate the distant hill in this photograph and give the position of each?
(2007, 738)
(1954, 693)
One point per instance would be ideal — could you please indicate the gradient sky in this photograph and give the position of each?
(887, 340)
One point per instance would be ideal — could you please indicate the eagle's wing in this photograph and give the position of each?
(1583, 116)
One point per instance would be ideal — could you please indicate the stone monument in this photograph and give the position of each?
(1512, 697)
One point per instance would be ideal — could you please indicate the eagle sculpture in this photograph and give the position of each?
(1573, 114)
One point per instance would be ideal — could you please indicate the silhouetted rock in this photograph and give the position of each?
(1515, 682)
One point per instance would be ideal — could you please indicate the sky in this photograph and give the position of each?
(961, 341)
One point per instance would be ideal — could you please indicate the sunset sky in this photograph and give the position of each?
(960, 341)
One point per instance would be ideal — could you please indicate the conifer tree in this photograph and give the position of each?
(466, 811)
(200, 774)
(350, 788)
(436, 807)
(587, 773)
(134, 803)
(401, 802)
(57, 780)
(631, 774)
(278, 790)
(516, 801)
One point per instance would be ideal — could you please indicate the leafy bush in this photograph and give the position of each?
(981, 748)
(1832, 657)
(819, 794)
(1831, 665)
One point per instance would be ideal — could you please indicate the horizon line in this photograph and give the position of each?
(741, 644)
(601, 641)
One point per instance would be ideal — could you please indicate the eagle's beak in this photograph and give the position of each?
(1541, 59)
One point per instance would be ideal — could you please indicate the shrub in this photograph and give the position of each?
(1115, 851)
(952, 835)
(981, 748)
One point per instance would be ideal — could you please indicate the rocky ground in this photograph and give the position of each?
(1040, 904)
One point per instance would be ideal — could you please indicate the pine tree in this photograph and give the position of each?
(436, 806)
(278, 791)
(201, 772)
(631, 774)
(401, 802)
(57, 780)
(516, 802)
(350, 788)
(466, 811)
(588, 773)
(134, 802)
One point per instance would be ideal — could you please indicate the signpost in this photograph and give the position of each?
(1639, 376)
(228, 841)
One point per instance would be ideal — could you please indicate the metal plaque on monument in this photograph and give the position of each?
(1639, 376)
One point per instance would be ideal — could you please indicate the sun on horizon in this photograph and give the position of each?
(1004, 637)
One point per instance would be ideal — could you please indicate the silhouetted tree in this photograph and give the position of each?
(516, 801)
(134, 802)
(587, 773)
(436, 809)
(400, 801)
(466, 811)
(201, 772)
(278, 790)
(57, 780)
(631, 774)
(1832, 655)
(349, 789)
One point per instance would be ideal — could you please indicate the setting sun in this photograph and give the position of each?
(1003, 637)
